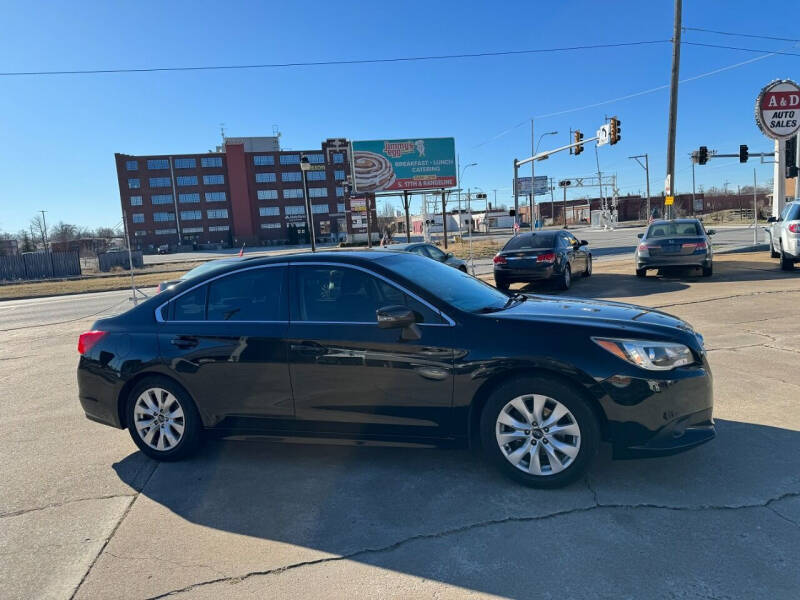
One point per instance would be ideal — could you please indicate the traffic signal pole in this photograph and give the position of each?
(673, 102)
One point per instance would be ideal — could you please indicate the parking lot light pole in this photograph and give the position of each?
(304, 167)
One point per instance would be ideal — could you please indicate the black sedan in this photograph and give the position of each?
(675, 243)
(383, 347)
(540, 255)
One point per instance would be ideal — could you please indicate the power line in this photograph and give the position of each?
(327, 63)
(759, 50)
(748, 35)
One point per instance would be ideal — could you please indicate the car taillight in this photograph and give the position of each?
(87, 340)
(695, 245)
(643, 248)
(159, 288)
(794, 227)
(499, 260)
(546, 257)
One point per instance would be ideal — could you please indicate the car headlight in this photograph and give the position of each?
(653, 356)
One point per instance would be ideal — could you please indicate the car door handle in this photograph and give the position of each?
(309, 349)
(184, 341)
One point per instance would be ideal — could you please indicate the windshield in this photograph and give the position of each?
(450, 285)
(206, 268)
(692, 228)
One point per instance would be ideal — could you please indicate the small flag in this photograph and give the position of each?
(241, 252)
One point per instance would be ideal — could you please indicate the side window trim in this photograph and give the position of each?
(448, 321)
(169, 303)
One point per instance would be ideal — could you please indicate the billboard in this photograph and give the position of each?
(540, 187)
(406, 164)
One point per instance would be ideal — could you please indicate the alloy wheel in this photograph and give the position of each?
(159, 419)
(538, 434)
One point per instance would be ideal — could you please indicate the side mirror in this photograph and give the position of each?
(772, 220)
(710, 232)
(448, 255)
(584, 243)
(640, 235)
(395, 317)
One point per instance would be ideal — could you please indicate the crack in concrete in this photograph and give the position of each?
(161, 559)
(783, 516)
(25, 511)
(233, 579)
(717, 298)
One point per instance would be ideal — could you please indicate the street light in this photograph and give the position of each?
(304, 167)
(533, 171)
(460, 176)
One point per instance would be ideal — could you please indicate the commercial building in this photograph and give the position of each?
(248, 191)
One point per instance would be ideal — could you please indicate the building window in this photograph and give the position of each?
(318, 209)
(138, 217)
(185, 163)
(191, 215)
(161, 199)
(340, 208)
(192, 230)
(211, 161)
(263, 161)
(139, 233)
(270, 226)
(316, 159)
(166, 231)
(317, 175)
(133, 183)
(293, 193)
(132, 165)
(215, 196)
(267, 194)
(338, 157)
(338, 175)
(265, 177)
(217, 213)
(156, 182)
(189, 198)
(339, 192)
(213, 179)
(161, 217)
(294, 210)
(136, 200)
(290, 159)
(318, 192)
(269, 211)
(219, 227)
(292, 176)
(186, 179)
(157, 163)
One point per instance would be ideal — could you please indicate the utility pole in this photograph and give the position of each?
(44, 230)
(533, 174)
(755, 209)
(406, 206)
(516, 190)
(646, 167)
(444, 218)
(673, 101)
(553, 201)
(565, 207)
(694, 200)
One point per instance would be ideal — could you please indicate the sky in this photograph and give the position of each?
(58, 134)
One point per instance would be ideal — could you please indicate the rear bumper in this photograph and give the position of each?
(520, 275)
(689, 260)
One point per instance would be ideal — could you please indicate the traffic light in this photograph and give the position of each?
(480, 196)
(743, 154)
(577, 137)
(615, 131)
(702, 155)
(791, 158)
(564, 183)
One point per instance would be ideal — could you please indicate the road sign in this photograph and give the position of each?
(604, 135)
(668, 186)
(669, 200)
(778, 109)
(539, 187)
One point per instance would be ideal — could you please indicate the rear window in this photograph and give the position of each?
(531, 240)
(795, 214)
(691, 228)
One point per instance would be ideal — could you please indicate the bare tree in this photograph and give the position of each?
(105, 232)
(38, 230)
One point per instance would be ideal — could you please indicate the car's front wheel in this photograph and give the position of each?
(539, 431)
(787, 264)
(566, 278)
(163, 420)
(588, 271)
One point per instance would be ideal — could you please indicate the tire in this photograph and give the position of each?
(772, 253)
(162, 398)
(787, 264)
(588, 271)
(501, 284)
(641, 272)
(566, 278)
(542, 471)
(708, 271)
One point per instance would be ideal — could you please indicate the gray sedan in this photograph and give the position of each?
(674, 243)
(784, 236)
(429, 251)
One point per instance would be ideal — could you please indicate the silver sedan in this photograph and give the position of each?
(429, 251)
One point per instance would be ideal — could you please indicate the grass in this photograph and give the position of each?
(89, 284)
(481, 248)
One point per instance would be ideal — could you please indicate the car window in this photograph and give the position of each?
(671, 229)
(419, 250)
(435, 253)
(785, 212)
(346, 295)
(206, 268)
(531, 240)
(191, 306)
(795, 214)
(251, 295)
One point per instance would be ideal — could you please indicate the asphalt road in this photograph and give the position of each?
(83, 514)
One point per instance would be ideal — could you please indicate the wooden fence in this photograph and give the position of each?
(109, 260)
(39, 265)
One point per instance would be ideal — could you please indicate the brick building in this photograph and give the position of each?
(249, 191)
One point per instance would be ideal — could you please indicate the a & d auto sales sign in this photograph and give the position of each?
(778, 109)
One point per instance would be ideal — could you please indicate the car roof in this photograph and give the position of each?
(401, 247)
(666, 221)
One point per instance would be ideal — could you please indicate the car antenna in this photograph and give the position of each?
(241, 252)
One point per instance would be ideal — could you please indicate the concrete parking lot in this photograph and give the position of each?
(83, 514)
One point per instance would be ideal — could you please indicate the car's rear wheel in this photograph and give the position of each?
(566, 278)
(163, 420)
(787, 264)
(539, 431)
(708, 271)
(641, 272)
(588, 271)
(501, 284)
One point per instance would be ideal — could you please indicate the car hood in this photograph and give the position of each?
(593, 312)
